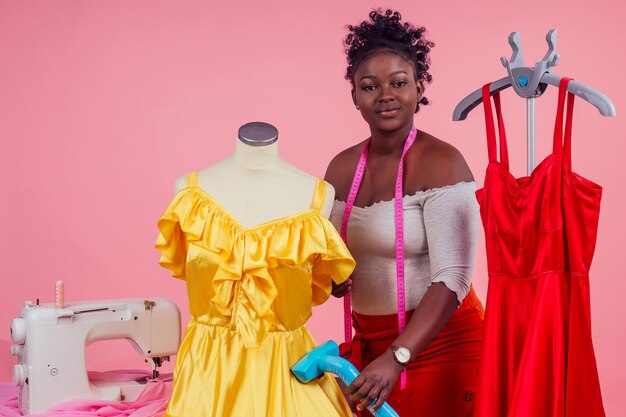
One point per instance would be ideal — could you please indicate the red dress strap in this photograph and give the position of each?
(491, 131)
(562, 144)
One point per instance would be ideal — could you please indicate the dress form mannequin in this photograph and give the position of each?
(254, 184)
(251, 289)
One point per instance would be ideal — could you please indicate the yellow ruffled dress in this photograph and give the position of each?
(250, 294)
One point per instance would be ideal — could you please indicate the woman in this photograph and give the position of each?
(439, 346)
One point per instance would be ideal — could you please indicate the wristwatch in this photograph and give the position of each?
(401, 354)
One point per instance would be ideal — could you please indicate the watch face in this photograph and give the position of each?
(403, 355)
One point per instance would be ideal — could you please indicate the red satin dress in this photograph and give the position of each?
(537, 356)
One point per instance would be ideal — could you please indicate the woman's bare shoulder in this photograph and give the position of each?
(441, 164)
(341, 169)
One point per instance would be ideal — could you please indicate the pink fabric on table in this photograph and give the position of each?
(152, 402)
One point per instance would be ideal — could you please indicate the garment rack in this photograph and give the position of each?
(530, 83)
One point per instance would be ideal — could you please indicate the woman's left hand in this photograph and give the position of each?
(372, 387)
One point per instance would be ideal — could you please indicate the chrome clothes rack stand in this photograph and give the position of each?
(530, 83)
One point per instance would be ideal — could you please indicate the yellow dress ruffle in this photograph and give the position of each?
(250, 292)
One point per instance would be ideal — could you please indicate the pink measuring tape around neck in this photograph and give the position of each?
(399, 222)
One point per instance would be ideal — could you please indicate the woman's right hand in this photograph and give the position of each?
(339, 290)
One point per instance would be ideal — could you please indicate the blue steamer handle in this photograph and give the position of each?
(325, 358)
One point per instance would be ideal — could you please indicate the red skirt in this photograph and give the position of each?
(442, 379)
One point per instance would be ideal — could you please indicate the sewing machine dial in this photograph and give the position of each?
(19, 375)
(18, 331)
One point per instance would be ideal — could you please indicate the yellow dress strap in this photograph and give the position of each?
(192, 179)
(320, 194)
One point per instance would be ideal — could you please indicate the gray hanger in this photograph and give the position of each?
(530, 83)
(258, 134)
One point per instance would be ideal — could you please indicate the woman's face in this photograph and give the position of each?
(386, 92)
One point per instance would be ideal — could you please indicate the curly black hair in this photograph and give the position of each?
(385, 31)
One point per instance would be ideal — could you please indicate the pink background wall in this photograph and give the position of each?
(104, 104)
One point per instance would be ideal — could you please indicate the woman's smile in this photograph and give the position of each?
(388, 113)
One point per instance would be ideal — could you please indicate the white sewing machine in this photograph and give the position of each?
(50, 343)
